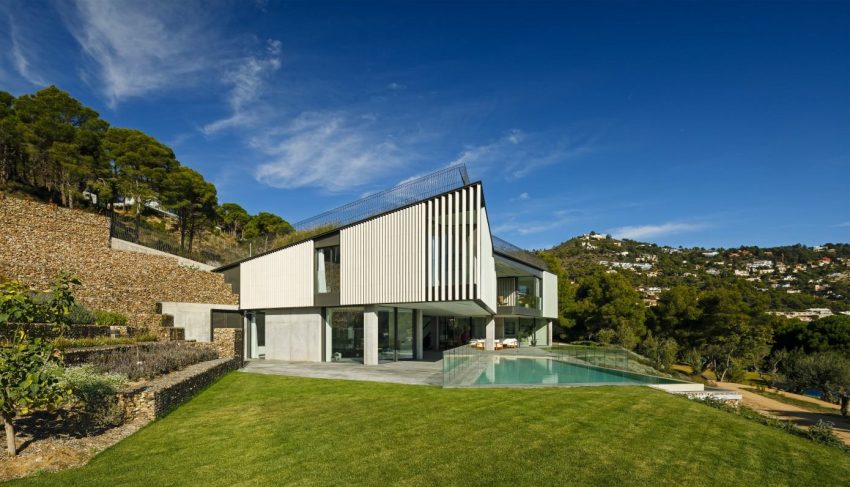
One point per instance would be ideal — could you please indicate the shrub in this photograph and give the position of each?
(65, 343)
(96, 395)
(605, 336)
(693, 359)
(148, 361)
(80, 315)
(823, 433)
(736, 373)
(110, 318)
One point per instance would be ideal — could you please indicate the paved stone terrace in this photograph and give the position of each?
(402, 372)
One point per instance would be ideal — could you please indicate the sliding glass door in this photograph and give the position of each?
(346, 330)
(395, 334)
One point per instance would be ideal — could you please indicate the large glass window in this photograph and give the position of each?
(528, 292)
(346, 329)
(327, 270)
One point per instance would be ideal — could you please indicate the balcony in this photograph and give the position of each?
(519, 296)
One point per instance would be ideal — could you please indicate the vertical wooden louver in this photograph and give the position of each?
(453, 245)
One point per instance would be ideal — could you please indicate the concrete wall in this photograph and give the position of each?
(194, 318)
(294, 335)
(550, 295)
(123, 245)
(487, 285)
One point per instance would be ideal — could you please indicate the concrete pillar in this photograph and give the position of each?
(370, 335)
(549, 333)
(418, 317)
(490, 334)
(328, 334)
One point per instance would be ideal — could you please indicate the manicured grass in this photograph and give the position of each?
(809, 406)
(268, 430)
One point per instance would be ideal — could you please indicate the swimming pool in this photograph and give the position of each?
(550, 371)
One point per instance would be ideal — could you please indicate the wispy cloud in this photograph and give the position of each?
(21, 49)
(520, 224)
(517, 154)
(843, 224)
(331, 151)
(247, 81)
(139, 47)
(639, 232)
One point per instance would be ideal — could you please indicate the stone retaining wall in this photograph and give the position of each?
(38, 240)
(159, 396)
(228, 343)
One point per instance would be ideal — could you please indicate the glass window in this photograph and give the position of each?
(346, 328)
(327, 270)
(510, 327)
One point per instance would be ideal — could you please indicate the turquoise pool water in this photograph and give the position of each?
(520, 370)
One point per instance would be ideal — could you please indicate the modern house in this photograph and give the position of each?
(393, 276)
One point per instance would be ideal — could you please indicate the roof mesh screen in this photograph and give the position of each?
(406, 193)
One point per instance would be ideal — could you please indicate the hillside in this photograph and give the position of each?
(794, 277)
(38, 240)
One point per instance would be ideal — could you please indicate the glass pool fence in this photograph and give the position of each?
(471, 365)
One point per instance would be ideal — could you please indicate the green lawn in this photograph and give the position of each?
(268, 430)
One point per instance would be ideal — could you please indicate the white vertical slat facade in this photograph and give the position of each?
(382, 260)
(487, 264)
(280, 279)
(456, 229)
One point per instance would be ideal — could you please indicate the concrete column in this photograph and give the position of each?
(328, 334)
(490, 334)
(549, 333)
(370, 335)
(418, 317)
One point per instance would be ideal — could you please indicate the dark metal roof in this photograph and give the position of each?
(510, 250)
(404, 194)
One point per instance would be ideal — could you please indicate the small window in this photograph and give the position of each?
(327, 270)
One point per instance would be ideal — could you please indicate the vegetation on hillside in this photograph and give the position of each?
(54, 148)
(712, 308)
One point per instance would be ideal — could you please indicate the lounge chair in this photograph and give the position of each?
(510, 343)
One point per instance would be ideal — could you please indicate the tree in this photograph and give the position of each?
(732, 329)
(677, 313)
(606, 300)
(140, 165)
(193, 199)
(11, 151)
(266, 224)
(62, 142)
(233, 219)
(828, 372)
(822, 335)
(30, 369)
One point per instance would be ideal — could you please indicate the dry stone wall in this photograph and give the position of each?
(38, 240)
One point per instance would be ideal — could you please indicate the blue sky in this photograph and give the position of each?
(712, 124)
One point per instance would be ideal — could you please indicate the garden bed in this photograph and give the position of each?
(55, 441)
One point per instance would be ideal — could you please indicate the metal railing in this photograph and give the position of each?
(406, 193)
(137, 230)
